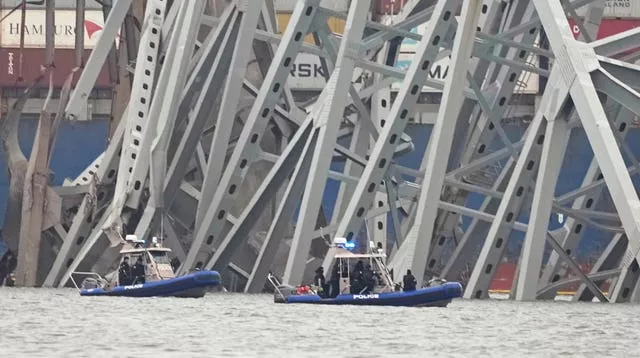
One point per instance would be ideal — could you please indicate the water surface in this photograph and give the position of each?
(60, 323)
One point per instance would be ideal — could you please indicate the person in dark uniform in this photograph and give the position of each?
(124, 273)
(138, 271)
(369, 281)
(320, 282)
(334, 281)
(409, 281)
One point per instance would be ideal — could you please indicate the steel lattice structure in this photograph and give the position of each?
(213, 141)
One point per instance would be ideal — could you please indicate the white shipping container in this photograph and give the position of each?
(335, 5)
(34, 29)
(617, 8)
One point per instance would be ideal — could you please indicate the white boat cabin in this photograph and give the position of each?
(348, 262)
(156, 260)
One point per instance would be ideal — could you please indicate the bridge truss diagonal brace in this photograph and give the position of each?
(290, 161)
(284, 214)
(447, 222)
(248, 150)
(380, 156)
(80, 227)
(247, 23)
(327, 127)
(553, 151)
(572, 231)
(440, 141)
(515, 193)
(578, 63)
(96, 60)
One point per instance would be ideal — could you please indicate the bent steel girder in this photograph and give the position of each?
(326, 126)
(215, 219)
(580, 64)
(404, 103)
(207, 83)
(137, 111)
(440, 143)
(485, 125)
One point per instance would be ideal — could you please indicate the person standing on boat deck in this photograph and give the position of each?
(319, 281)
(138, 271)
(409, 281)
(334, 281)
(124, 273)
(357, 278)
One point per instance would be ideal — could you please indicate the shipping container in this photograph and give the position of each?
(386, 7)
(625, 9)
(335, 5)
(60, 4)
(336, 26)
(32, 60)
(608, 27)
(34, 28)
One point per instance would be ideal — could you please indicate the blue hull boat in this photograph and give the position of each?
(192, 285)
(439, 296)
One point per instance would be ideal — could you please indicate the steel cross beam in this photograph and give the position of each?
(215, 219)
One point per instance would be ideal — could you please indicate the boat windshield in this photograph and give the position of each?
(161, 257)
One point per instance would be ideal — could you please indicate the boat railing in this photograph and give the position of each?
(101, 280)
(276, 284)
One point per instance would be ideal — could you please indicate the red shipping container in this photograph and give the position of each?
(33, 59)
(608, 27)
(387, 7)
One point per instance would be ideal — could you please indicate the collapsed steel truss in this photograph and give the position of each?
(214, 148)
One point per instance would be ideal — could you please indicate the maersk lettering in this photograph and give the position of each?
(306, 70)
(59, 30)
(437, 72)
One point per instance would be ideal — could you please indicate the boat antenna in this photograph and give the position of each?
(162, 228)
(366, 227)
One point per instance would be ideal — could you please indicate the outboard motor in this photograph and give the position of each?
(89, 283)
(282, 292)
(434, 282)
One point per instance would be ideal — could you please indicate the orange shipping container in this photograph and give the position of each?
(335, 24)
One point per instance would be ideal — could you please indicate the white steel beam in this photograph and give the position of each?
(326, 127)
(441, 140)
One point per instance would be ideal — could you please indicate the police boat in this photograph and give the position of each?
(364, 279)
(146, 272)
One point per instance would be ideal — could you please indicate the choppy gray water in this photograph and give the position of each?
(59, 323)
